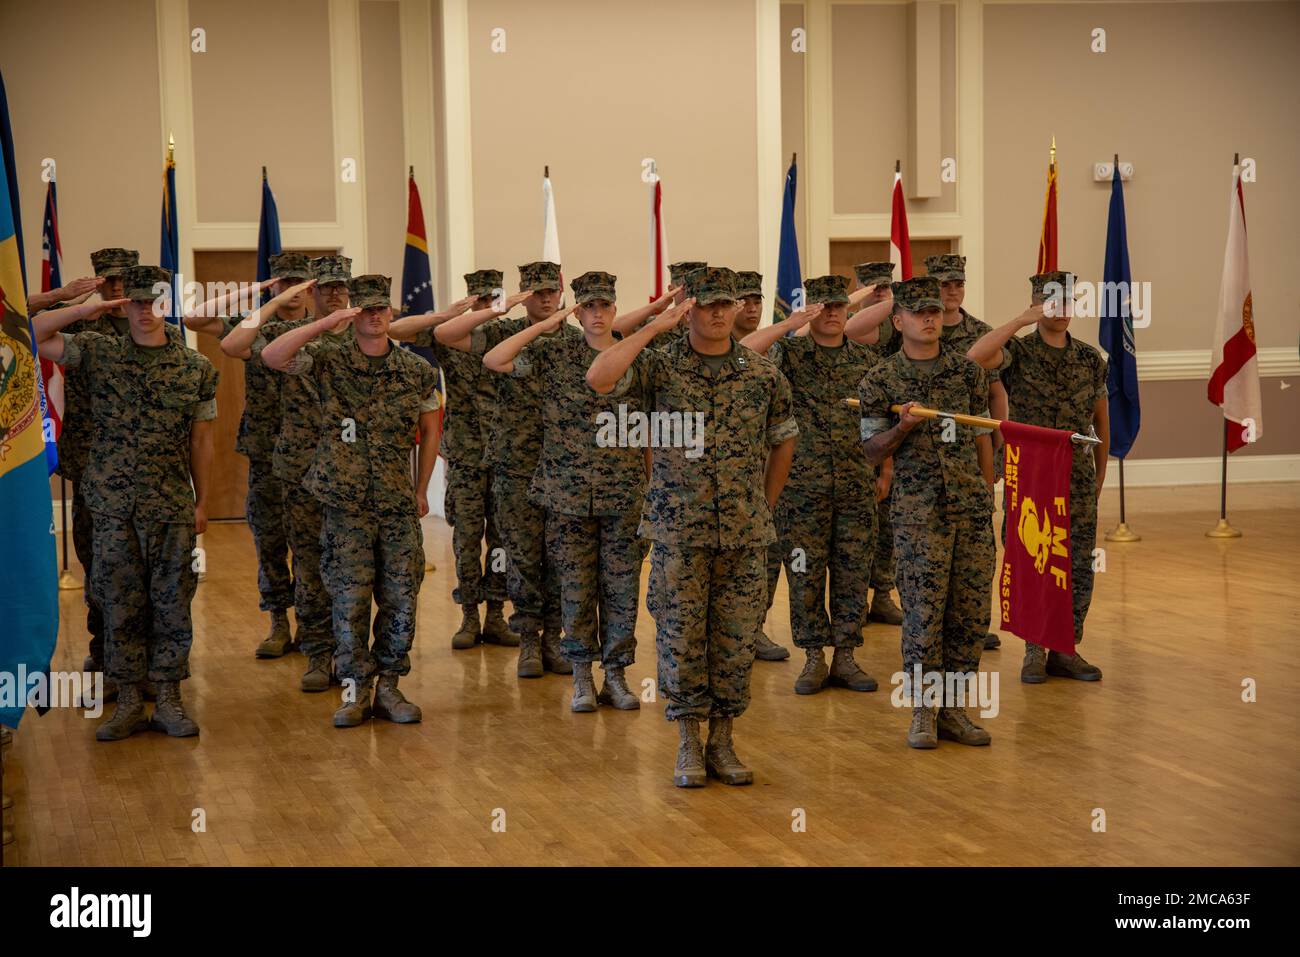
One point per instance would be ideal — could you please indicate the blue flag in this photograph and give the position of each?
(51, 278)
(170, 255)
(788, 279)
(29, 574)
(1116, 331)
(417, 281)
(268, 234)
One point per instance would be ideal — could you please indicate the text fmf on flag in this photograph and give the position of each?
(1035, 586)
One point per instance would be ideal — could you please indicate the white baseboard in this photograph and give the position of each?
(1204, 471)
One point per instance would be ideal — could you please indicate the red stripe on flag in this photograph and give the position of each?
(898, 237)
(414, 211)
(1237, 351)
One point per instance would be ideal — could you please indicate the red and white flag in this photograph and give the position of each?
(900, 247)
(658, 240)
(52, 278)
(1234, 379)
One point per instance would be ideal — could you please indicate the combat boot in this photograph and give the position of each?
(884, 610)
(149, 689)
(955, 725)
(689, 772)
(317, 677)
(530, 655)
(128, 717)
(169, 715)
(1071, 666)
(552, 659)
(720, 759)
(815, 675)
(276, 643)
(495, 629)
(765, 649)
(584, 688)
(922, 733)
(615, 691)
(467, 634)
(991, 641)
(1033, 672)
(92, 667)
(845, 672)
(353, 713)
(391, 704)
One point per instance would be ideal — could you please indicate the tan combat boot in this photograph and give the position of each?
(955, 725)
(765, 649)
(689, 772)
(317, 676)
(720, 756)
(495, 629)
(1033, 671)
(584, 688)
(276, 643)
(1071, 666)
(357, 711)
(814, 676)
(467, 634)
(923, 733)
(391, 704)
(845, 672)
(128, 718)
(884, 610)
(91, 666)
(552, 659)
(169, 715)
(530, 655)
(616, 692)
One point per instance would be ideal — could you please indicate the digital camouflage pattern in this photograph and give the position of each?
(709, 608)
(679, 272)
(873, 274)
(303, 518)
(931, 476)
(826, 289)
(330, 269)
(139, 283)
(299, 415)
(597, 560)
(531, 579)
(369, 291)
(711, 284)
(290, 266)
(260, 422)
(715, 500)
(882, 559)
(1059, 282)
(264, 511)
(917, 294)
(369, 556)
(1059, 389)
(946, 267)
(144, 405)
(594, 285)
(112, 261)
(828, 507)
(748, 284)
(471, 513)
(539, 275)
(483, 282)
(78, 419)
(961, 335)
(144, 579)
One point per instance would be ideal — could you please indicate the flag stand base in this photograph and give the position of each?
(430, 567)
(68, 582)
(1122, 533)
(1223, 530)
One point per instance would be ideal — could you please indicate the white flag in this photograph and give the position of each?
(1234, 376)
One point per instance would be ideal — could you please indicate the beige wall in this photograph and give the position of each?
(563, 94)
(97, 117)
(792, 116)
(385, 169)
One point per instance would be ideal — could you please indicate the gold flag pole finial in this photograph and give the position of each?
(171, 147)
(1053, 153)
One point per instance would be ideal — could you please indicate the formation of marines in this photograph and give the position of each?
(683, 430)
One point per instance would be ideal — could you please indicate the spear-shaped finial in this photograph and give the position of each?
(898, 166)
(263, 174)
(171, 147)
(1236, 159)
(1053, 153)
(546, 172)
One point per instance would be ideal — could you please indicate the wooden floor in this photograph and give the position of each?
(1185, 772)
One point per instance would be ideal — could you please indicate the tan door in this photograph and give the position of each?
(847, 253)
(229, 468)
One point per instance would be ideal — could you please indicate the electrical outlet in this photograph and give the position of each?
(1102, 172)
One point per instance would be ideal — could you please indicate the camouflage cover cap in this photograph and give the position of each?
(328, 269)
(483, 282)
(369, 291)
(113, 261)
(711, 284)
(290, 266)
(874, 273)
(749, 284)
(826, 289)
(539, 275)
(946, 267)
(1062, 284)
(594, 285)
(917, 294)
(138, 282)
(680, 272)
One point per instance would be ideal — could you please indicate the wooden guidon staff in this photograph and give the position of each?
(977, 421)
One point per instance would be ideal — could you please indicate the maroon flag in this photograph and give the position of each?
(1035, 585)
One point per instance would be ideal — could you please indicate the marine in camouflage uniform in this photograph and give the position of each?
(941, 508)
(78, 432)
(1059, 387)
(591, 481)
(826, 516)
(512, 450)
(372, 406)
(471, 511)
(882, 608)
(707, 513)
(153, 401)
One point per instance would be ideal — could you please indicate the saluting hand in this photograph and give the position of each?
(109, 305)
(339, 318)
(459, 306)
(670, 318)
(1033, 314)
(555, 319)
(664, 301)
(802, 317)
(80, 287)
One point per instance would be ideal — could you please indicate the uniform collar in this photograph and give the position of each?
(361, 361)
(735, 357)
(171, 352)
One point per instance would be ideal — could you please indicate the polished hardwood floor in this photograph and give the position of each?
(1183, 770)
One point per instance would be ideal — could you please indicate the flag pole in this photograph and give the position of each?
(1121, 532)
(1222, 528)
(67, 582)
(977, 421)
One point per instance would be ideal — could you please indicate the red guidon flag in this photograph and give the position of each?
(900, 247)
(1035, 585)
(1047, 238)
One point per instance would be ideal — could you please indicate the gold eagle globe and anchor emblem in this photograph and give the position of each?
(1035, 534)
